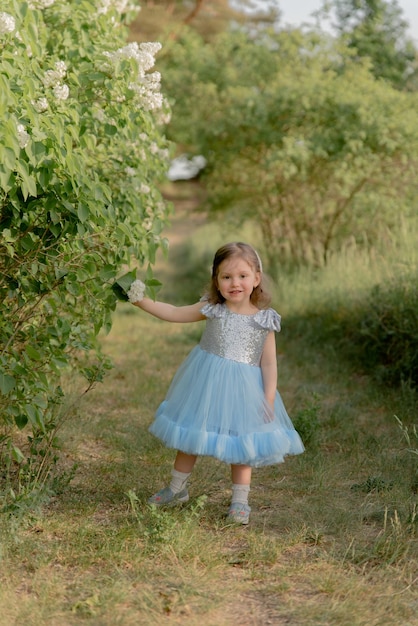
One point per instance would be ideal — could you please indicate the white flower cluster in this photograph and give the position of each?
(40, 105)
(121, 6)
(40, 4)
(146, 86)
(7, 23)
(53, 78)
(148, 91)
(136, 291)
(61, 92)
(144, 53)
(22, 136)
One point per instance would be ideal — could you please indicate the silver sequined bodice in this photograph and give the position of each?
(237, 337)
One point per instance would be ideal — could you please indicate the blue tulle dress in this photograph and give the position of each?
(215, 405)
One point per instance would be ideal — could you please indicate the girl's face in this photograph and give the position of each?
(236, 280)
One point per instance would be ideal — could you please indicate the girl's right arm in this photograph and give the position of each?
(171, 313)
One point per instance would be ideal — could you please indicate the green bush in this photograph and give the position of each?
(387, 338)
(378, 332)
(81, 154)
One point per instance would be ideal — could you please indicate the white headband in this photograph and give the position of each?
(258, 259)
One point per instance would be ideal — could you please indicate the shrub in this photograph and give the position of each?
(81, 154)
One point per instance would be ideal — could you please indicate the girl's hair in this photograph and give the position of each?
(259, 297)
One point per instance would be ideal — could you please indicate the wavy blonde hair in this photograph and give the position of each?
(260, 297)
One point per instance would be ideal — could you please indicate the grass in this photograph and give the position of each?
(318, 551)
(333, 533)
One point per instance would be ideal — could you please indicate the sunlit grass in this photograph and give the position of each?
(352, 273)
(315, 545)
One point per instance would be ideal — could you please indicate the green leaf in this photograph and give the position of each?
(7, 383)
(28, 181)
(17, 454)
(107, 273)
(110, 129)
(153, 282)
(9, 158)
(122, 284)
(21, 420)
(83, 212)
(33, 354)
(60, 272)
(5, 179)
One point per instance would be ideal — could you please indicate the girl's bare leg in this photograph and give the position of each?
(239, 511)
(241, 474)
(184, 462)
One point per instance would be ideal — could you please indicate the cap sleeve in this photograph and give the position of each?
(269, 319)
(213, 310)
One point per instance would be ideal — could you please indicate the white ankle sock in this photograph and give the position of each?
(178, 481)
(240, 493)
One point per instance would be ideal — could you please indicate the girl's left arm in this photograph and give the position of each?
(269, 369)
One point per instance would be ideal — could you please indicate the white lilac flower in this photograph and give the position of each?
(164, 117)
(136, 291)
(61, 92)
(130, 171)
(22, 136)
(144, 188)
(143, 53)
(40, 105)
(150, 47)
(61, 68)
(51, 78)
(145, 86)
(7, 23)
(153, 80)
(54, 77)
(152, 100)
(149, 98)
(147, 224)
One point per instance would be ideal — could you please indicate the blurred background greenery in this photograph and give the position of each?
(311, 148)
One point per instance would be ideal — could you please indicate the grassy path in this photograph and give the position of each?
(317, 551)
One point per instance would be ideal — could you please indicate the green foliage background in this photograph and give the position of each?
(300, 137)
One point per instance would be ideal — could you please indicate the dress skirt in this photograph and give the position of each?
(216, 407)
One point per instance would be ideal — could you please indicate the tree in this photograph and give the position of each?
(300, 138)
(167, 18)
(377, 30)
(81, 155)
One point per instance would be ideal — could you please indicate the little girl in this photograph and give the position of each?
(223, 401)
